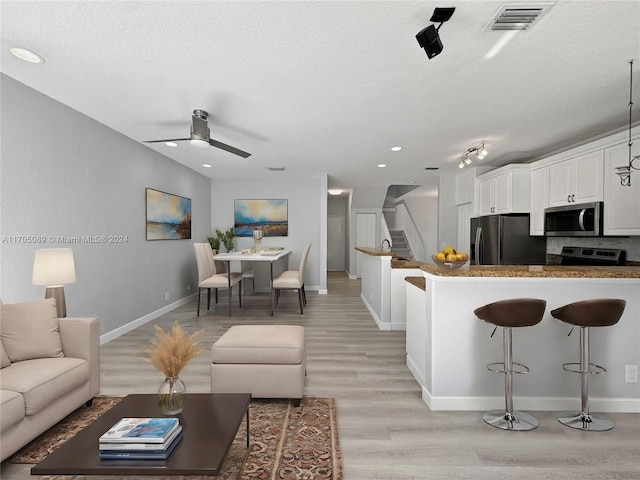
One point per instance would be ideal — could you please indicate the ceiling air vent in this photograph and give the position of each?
(518, 16)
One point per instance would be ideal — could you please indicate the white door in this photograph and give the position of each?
(335, 244)
(365, 236)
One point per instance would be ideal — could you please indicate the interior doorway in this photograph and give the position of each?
(335, 243)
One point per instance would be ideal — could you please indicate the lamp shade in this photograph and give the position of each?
(53, 267)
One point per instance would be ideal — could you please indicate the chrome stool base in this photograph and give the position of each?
(517, 421)
(585, 421)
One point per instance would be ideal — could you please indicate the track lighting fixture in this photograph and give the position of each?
(429, 38)
(479, 151)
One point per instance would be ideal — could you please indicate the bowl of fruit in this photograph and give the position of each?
(449, 258)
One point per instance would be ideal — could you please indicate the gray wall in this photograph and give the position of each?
(447, 211)
(64, 174)
(307, 209)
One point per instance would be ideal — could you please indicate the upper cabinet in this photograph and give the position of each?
(504, 190)
(576, 180)
(621, 213)
(465, 184)
(539, 199)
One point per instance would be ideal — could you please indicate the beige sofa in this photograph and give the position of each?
(50, 367)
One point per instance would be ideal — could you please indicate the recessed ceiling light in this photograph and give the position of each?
(382, 165)
(335, 191)
(26, 55)
(206, 165)
(396, 149)
(171, 144)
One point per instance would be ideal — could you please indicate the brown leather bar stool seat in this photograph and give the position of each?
(601, 312)
(508, 314)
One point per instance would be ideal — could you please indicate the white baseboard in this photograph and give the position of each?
(113, 334)
(540, 404)
(415, 372)
(381, 325)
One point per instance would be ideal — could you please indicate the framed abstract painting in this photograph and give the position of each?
(168, 216)
(269, 215)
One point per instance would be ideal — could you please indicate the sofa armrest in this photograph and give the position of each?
(81, 339)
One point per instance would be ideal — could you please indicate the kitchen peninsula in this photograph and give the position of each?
(383, 286)
(448, 347)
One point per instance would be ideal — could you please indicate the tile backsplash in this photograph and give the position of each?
(630, 244)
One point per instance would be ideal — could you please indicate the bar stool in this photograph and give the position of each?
(516, 312)
(602, 312)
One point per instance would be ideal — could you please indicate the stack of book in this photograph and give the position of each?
(141, 439)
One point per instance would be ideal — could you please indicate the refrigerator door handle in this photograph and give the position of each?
(478, 248)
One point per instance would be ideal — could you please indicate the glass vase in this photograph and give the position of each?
(172, 395)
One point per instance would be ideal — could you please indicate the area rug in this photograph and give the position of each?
(287, 442)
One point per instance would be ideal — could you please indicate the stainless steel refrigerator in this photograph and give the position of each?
(505, 240)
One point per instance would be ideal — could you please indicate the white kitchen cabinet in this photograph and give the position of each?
(538, 199)
(464, 184)
(504, 190)
(621, 212)
(577, 180)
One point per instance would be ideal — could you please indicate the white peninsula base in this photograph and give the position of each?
(448, 347)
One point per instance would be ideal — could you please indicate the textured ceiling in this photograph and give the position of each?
(330, 87)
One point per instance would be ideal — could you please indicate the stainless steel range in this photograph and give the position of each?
(595, 256)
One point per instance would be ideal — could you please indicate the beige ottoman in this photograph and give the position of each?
(268, 361)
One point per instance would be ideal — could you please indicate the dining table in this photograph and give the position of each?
(268, 255)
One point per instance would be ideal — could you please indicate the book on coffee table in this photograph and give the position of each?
(140, 430)
(141, 446)
(161, 454)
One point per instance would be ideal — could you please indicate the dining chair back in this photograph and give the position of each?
(208, 278)
(292, 280)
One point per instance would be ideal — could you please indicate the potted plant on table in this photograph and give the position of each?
(227, 238)
(215, 243)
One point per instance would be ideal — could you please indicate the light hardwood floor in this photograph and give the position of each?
(386, 430)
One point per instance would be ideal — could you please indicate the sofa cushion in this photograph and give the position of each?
(11, 409)
(260, 344)
(4, 360)
(44, 381)
(30, 330)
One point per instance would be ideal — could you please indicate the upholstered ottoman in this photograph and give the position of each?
(268, 361)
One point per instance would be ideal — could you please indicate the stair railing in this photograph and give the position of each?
(405, 222)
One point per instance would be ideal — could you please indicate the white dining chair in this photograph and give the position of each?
(209, 278)
(292, 280)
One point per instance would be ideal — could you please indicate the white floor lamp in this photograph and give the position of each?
(54, 268)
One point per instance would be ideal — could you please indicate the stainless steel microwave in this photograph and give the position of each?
(581, 220)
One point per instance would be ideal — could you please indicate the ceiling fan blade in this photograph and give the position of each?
(167, 140)
(228, 148)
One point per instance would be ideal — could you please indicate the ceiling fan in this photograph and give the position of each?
(200, 136)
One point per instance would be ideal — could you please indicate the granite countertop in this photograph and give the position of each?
(532, 271)
(419, 282)
(376, 252)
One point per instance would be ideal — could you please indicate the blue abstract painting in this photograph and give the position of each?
(168, 216)
(270, 215)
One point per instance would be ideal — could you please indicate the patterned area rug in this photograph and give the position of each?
(287, 442)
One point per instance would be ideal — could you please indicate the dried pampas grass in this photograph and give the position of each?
(170, 352)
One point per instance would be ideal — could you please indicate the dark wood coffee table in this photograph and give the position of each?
(209, 422)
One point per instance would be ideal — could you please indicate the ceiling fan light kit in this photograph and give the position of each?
(200, 136)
